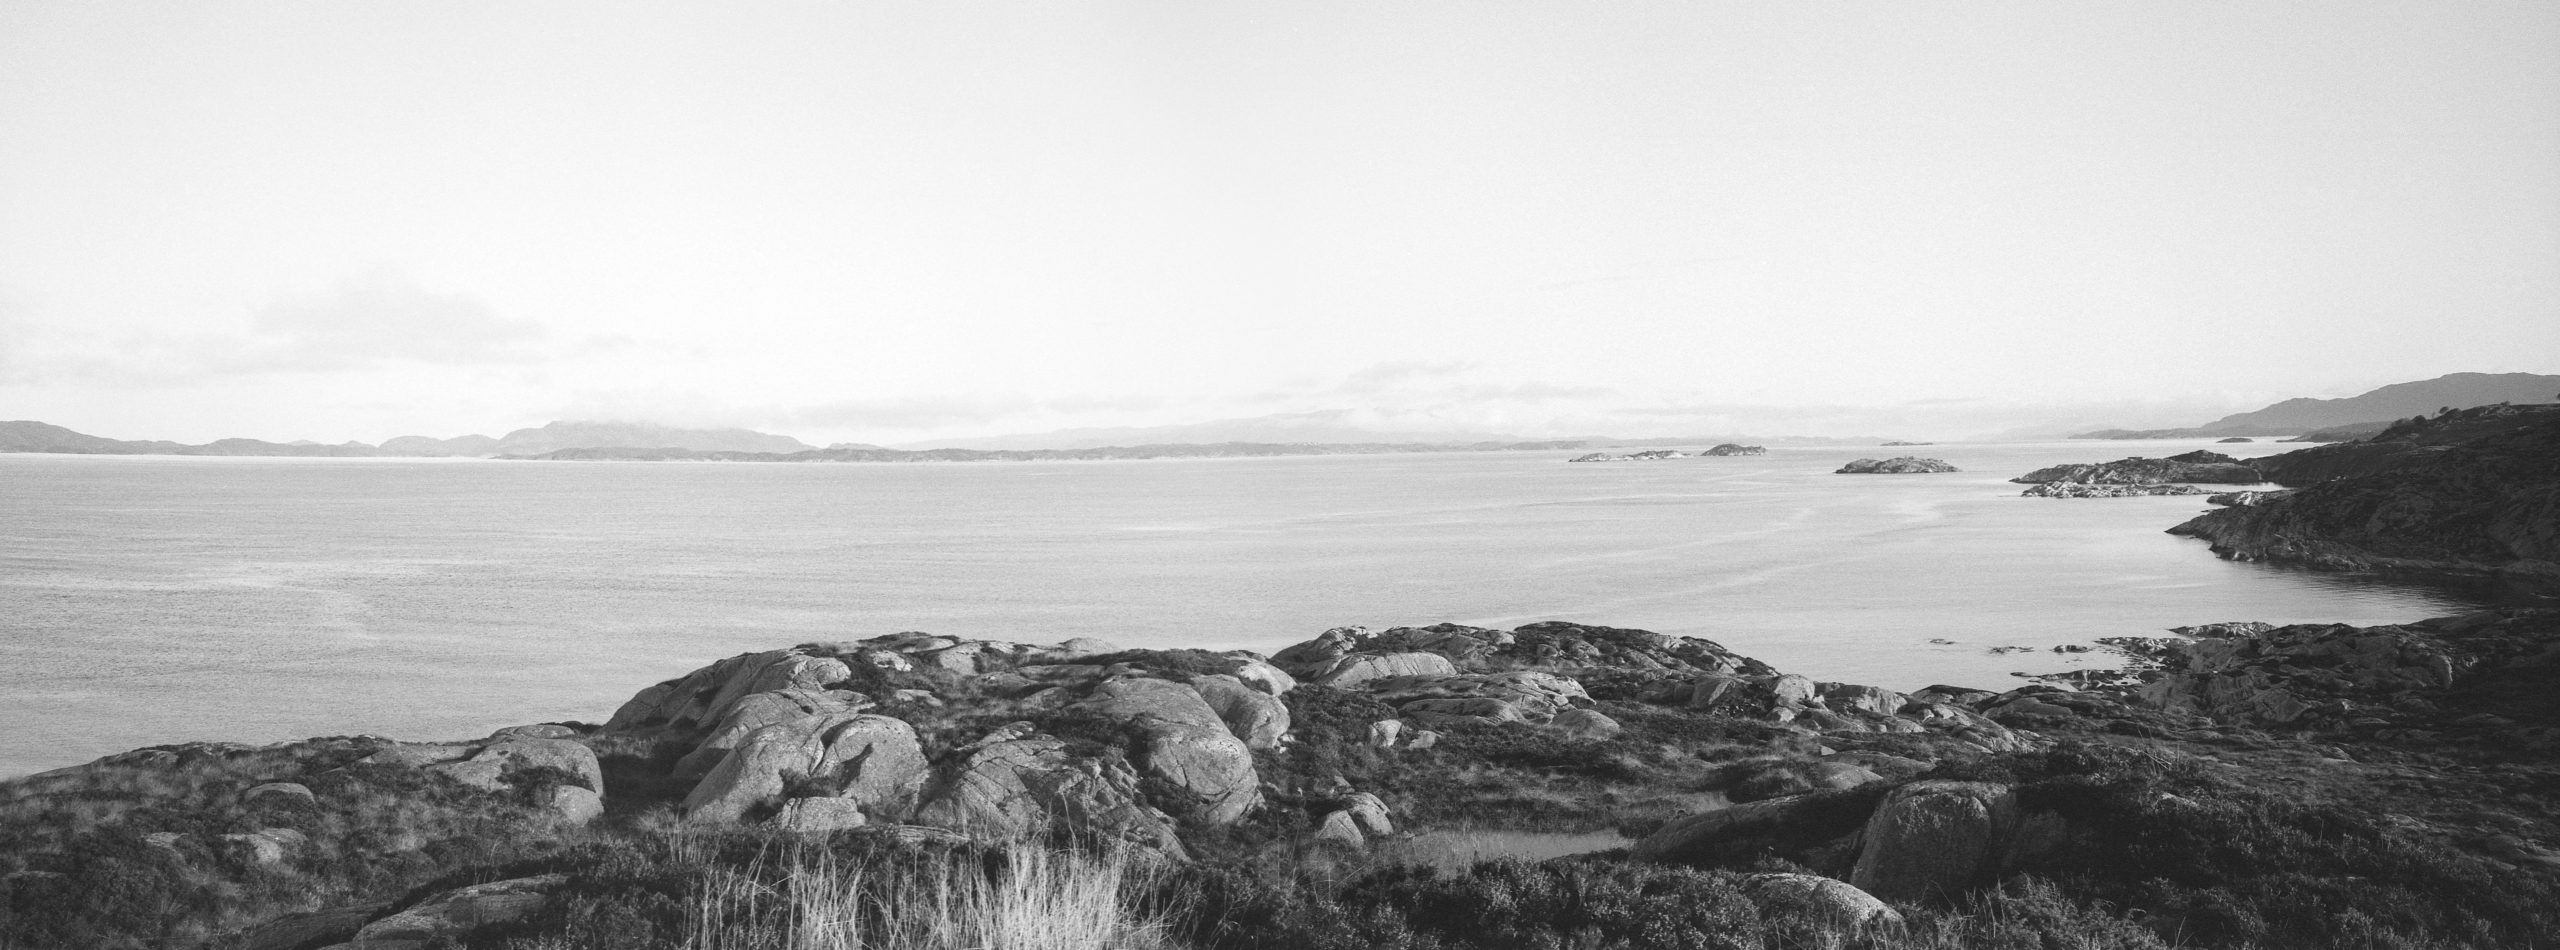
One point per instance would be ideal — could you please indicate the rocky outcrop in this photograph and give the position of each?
(2098, 490)
(1731, 449)
(1186, 745)
(2490, 505)
(874, 761)
(2338, 677)
(2199, 467)
(1016, 785)
(1904, 465)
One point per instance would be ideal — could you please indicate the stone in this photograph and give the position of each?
(1586, 725)
(1384, 733)
(420, 754)
(1934, 838)
(1369, 813)
(1355, 670)
(1075, 648)
(567, 757)
(1792, 690)
(1820, 896)
(876, 761)
(543, 730)
(1422, 739)
(279, 793)
(1846, 697)
(1014, 789)
(256, 849)
(571, 805)
(1270, 679)
(1256, 717)
(818, 816)
(1341, 828)
(1186, 744)
(328, 926)
(756, 711)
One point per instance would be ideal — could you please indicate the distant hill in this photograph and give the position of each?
(2381, 406)
(29, 436)
(640, 435)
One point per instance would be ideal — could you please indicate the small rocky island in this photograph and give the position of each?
(1904, 465)
(1653, 455)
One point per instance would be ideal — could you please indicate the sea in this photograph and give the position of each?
(148, 599)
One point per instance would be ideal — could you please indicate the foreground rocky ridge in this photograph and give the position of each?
(1790, 802)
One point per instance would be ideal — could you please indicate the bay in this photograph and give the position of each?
(147, 600)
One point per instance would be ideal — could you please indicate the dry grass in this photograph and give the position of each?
(1026, 899)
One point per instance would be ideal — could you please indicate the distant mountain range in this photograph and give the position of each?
(2366, 413)
(40, 437)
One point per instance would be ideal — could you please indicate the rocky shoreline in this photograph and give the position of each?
(1806, 807)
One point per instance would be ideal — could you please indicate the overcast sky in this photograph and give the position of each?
(856, 221)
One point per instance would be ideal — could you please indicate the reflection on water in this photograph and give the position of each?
(284, 598)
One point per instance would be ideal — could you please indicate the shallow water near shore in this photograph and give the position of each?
(147, 600)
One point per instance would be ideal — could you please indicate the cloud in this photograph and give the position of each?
(369, 321)
(375, 318)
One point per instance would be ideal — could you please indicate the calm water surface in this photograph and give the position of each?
(156, 599)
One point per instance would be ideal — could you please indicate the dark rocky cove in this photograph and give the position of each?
(2238, 785)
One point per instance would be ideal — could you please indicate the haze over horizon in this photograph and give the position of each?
(897, 223)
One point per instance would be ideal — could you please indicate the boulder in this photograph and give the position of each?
(1586, 725)
(540, 730)
(875, 761)
(1341, 828)
(571, 805)
(453, 914)
(259, 848)
(698, 699)
(1821, 897)
(420, 754)
(323, 927)
(1792, 690)
(1352, 671)
(1934, 838)
(1186, 744)
(1370, 813)
(817, 816)
(1257, 717)
(1422, 739)
(1264, 676)
(758, 710)
(565, 756)
(279, 793)
(1846, 697)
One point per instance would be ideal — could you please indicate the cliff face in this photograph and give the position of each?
(2477, 491)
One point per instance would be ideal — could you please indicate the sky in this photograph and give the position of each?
(895, 222)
